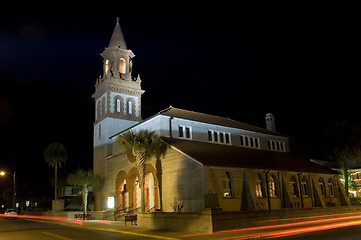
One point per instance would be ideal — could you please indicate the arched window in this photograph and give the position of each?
(331, 189)
(118, 105)
(260, 186)
(321, 184)
(106, 66)
(294, 186)
(130, 107)
(304, 187)
(274, 186)
(228, 185)
(122, 65)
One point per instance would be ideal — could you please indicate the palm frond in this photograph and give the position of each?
(83, 178)
(55, 154)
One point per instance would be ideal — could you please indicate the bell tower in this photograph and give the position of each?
(117, 99)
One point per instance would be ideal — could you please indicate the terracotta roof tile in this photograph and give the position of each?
(207, 118)
(211, 154)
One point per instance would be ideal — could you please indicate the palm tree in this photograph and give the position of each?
(55, 154)
(343, 144)
(143, 145)
(83, 179)
(160, 149)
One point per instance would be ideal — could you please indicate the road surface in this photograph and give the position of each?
(31, 229)
(345, 226)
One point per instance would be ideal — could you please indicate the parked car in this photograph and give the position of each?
(11, 212)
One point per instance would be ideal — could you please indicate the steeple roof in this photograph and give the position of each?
(117, 39)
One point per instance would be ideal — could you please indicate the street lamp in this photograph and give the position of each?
(2, 173)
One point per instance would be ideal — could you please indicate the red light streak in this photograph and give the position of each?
(289, 224)
(299, 218)
(292, 231)
(69, 220)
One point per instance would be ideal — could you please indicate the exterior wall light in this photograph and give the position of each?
(111, 202)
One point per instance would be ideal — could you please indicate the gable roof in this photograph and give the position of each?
(212, 119)
(205, 118)
(211, 154)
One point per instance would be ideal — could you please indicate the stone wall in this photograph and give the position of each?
(213, 220)
(188, 222)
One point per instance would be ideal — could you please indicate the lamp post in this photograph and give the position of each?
(2, 173)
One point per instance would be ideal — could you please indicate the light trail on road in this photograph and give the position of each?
(292, 231)
(69, 220)
(324, 222)
(300, 218)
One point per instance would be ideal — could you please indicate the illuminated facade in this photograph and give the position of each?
(356, 177)
(212, 162)
(117, 98)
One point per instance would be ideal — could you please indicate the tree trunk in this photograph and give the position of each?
(142, 198)
(158, 167)
(141, 159)
(84, 194)
(345, 173)
(56, 182)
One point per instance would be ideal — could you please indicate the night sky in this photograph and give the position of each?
(299, 61)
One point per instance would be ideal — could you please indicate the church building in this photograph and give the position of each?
(212, 161)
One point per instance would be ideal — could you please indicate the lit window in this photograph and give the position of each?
(118, 105)
(260, 189)
(228, 188)
(122, 65)
(130, 106)
(111, 202)
(273, 186)
(272, 189)
(106, 66)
